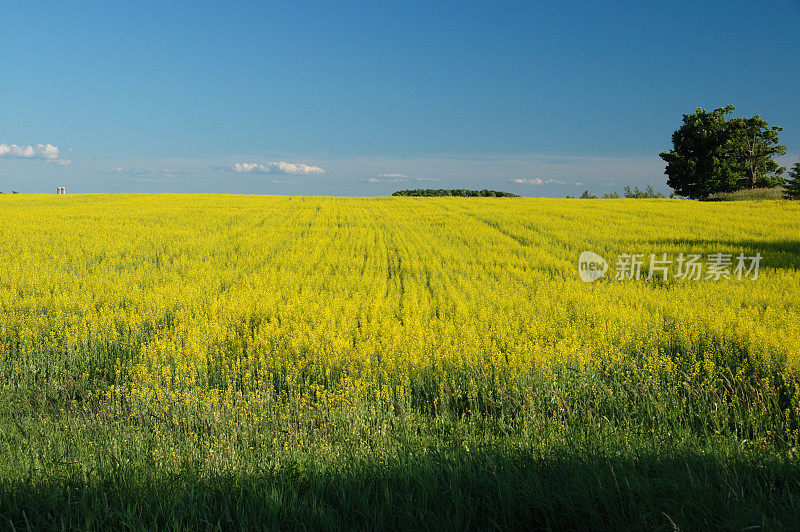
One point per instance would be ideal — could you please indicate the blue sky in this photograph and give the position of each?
(542, 99)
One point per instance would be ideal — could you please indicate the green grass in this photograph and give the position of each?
(749, 194)
(493, 489)
(609, 448)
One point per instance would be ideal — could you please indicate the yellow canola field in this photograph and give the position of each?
(196, 296)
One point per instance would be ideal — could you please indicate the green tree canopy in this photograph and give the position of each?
(642, 194)
(429, 192)
(754, 144)
(713, 154)
(793, 184)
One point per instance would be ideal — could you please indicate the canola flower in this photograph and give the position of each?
(273, 311)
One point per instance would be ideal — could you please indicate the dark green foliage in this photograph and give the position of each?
(754, 145)
(647, 193)
(634, 193)
(712, 154)
(699, 163)
(460, 192)
(792, 190)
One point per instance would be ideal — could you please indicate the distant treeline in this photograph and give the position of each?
(429, 192)
(629, 193)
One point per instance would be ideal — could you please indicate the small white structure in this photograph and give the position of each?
(62, 190)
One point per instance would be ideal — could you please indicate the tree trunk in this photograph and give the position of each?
(753, 166)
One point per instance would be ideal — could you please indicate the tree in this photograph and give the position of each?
(460, 192)
(793, 184)
(713, 154)
(754, 146)
(586, 195)
(698, 164)
(642, 194)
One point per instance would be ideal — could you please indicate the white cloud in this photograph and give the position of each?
(278, 167)
(387, 178)
(537, 181)
(46, 152)
(242, 168)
